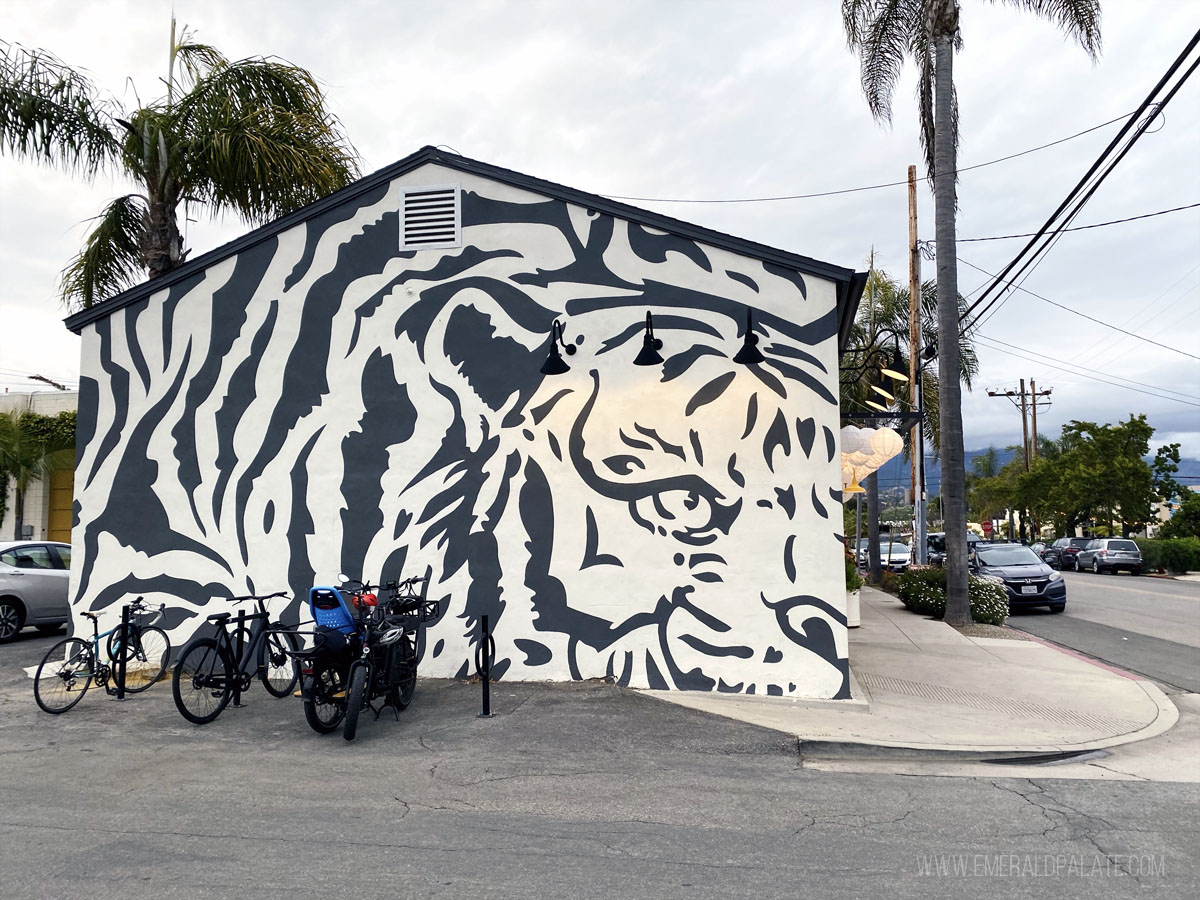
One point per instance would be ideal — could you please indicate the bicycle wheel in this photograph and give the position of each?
(203, 681)
(354, 701)
(326, 702)
(64, 675)
(277, 670)
(402, 693)
(146, 657)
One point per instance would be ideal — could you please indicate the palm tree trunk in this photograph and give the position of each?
(163, 243)
(19, 514)
(958, 610)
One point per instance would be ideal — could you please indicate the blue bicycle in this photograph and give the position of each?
(69, 668)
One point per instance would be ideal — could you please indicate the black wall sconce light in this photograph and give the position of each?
(749, 354)
(649, 355)
(555, 364)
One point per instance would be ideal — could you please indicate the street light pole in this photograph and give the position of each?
(919, 551)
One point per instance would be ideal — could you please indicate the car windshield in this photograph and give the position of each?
(1007, 556)
(1080, 542)
(1122, 545)
(896, 549)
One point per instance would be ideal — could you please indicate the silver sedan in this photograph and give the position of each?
(34, 578)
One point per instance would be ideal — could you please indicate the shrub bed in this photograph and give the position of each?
(923, 590)
(1176, 555)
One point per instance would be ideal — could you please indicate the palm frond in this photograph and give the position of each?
(1080, 19)
(881, 32)
(52, 113)
(255, 137)
(111, 258)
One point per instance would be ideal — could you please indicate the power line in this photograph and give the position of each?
(1079, 195)
(870, 187)
(1005, 237)
(1092, 376)
(976, 324)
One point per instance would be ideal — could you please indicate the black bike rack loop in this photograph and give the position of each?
(483, 666)
(122, 654)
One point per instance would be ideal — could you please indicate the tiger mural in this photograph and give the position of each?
(321, 402)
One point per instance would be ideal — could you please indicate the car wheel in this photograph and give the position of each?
(50, 629)
(1135, 571)
(1095, 567)
(12, 619)
(1075, 564)
(1057, 607)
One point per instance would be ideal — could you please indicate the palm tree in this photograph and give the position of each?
(27, 457)
(885, 33)
(884, 311)
(251, 137)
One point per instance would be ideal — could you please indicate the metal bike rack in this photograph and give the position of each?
(238, 649)
(119, 674)
(483, 666)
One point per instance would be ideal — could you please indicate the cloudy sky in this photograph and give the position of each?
(695, 100)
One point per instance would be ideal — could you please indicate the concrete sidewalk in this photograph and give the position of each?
(918, 683)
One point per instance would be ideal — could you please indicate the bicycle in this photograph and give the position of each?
(387, 667)
(211, 669)
(145, 650)
(70, 666)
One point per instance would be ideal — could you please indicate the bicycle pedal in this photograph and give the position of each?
(339, 695)
(299, 693)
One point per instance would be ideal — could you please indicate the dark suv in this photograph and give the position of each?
(1061, 554)
(1110, 555)
(1027, 580)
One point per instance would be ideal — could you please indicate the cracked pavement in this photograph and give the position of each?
(581, 790)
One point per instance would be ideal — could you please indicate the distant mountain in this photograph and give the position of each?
(895, 476)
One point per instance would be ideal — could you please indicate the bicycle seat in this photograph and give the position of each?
(93, 616)
(219, 617)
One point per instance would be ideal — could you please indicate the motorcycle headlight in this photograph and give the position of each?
(1055, 576)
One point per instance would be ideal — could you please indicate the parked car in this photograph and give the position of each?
(1039, 547)
(1110, 555)
(33, 586)
(935, 545)
(1027, 579)
(1061, 554)
(894, 557)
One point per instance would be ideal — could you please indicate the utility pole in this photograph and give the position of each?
(1024, 427)
(1024, 400)
(919, 550)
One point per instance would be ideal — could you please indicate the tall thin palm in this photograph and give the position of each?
(886, 33)
(251, 137)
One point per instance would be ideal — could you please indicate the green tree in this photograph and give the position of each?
(31, 446)
(1186, 520)
(886, 33)
(251, 137)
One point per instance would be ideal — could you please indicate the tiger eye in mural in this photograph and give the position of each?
(321, 403)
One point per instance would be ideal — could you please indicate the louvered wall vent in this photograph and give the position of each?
(429, 217)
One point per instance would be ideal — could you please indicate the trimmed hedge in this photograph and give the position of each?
(1176, 555)
(923, 590)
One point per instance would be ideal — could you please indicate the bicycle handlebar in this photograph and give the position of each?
(258, 597)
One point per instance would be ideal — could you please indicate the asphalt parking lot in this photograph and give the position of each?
(582, 790)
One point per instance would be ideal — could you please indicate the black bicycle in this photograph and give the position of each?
(211, 669)
(386, 669)
(71, 666)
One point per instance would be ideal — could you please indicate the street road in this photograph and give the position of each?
(1146, 625)
(579, 790)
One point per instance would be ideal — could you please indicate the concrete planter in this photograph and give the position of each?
(852, 609)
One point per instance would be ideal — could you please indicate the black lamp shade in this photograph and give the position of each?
(649, 355)
(896, 370)
(749, 355)
(554, 364)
